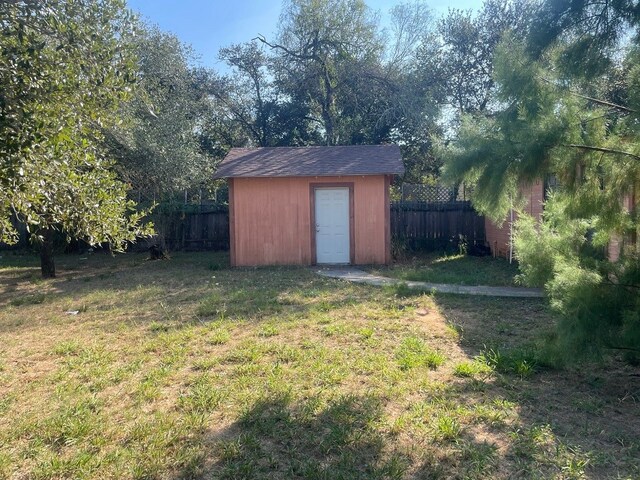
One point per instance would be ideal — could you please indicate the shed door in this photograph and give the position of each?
(332, 225)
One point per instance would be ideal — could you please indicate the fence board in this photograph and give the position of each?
(433, 225)
(205, 230)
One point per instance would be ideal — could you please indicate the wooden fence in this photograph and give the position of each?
(207, 229)
(436, 225)
(416, 225)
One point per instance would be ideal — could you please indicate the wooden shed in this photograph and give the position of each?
(310, 205)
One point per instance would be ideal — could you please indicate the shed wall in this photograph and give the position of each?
(498, 237)
(619, 242)
(271, 219)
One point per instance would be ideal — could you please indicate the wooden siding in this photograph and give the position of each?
(498, 236)
(271, 219)
(618, 242)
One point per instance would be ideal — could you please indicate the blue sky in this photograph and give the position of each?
(209, 25)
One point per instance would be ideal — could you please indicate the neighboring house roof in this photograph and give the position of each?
(311, 161)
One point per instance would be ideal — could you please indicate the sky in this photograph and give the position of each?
(208, 25)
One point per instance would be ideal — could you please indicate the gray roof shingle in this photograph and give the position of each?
(311, 161)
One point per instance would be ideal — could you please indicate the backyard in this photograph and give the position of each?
(182, 368)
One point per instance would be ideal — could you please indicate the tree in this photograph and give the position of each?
(578, 119)
(412, 108)
(64, 71)
(247, 93)
(459, 56)
(349, 82)
(324, 47)
(249, 96)
(156, 146)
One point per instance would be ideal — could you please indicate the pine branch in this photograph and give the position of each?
(628, 349)
(602, 149)
(603, 102)
(586, 97)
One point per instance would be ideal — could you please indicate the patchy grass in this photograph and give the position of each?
(413, 352)
(185, 368)
(472, 368)
(454, 269)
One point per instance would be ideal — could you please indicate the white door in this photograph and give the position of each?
(332, 225)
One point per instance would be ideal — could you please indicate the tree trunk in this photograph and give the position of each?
(47, 266)
(328, 102)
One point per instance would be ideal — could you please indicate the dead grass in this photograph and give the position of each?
(172, 369)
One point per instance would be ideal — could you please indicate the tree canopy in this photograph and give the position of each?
(65, 71)
(156, 145)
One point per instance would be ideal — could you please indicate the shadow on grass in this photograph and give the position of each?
(453, 269)
(164, 292)
(274, 435)
(340, 439)
(581, 419)
(564, 424)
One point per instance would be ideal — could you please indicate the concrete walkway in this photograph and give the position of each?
(360, 276)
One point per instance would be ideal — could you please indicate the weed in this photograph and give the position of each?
(247, 352)
(6, 402)
(219, 336)
(413, 352)
(206, 363)
(403, 290)
(454, 331)
(5, 464)
(202, 397)
(159, 327)
(285, 353)
(519, 361)
(480, 457)
(366, 333)
(337, 329)
(212, 305)
(70, 424)
(471, 369)
(68, 348)
(35, 299)
(268, 330)
(447, 428)
(574, 468)
(589, 405)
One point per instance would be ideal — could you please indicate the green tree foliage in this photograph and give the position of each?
(575, 116)
(64, 72)
(347, 81)
(458, 57)
(247, 93)
(413, 107)
(157, 145)
(249, 96)
(326, 49)
(453, 76)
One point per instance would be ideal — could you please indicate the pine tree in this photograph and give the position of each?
(570, 106)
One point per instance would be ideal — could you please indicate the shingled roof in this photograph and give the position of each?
(311, 161)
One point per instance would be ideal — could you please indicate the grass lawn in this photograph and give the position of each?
(126, 368)
(454, 269)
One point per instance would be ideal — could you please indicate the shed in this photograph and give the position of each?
(310, 205)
